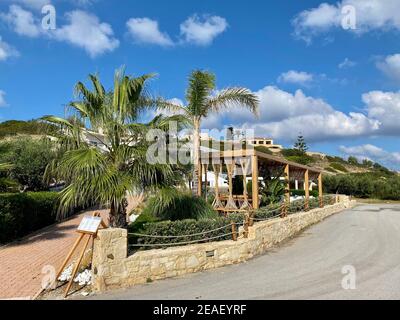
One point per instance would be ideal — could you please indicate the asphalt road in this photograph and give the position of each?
(307, 267)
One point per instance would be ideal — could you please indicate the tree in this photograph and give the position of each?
(29, 158)
(353, 160)
(201, 102)
(105, 176)
(301, 144)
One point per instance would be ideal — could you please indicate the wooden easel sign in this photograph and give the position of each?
(88, 227)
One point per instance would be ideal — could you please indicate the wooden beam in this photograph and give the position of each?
(287, 187)
(320, 190)
(254, 177)
(306, 190)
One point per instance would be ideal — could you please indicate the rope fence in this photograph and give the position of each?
(261, 215)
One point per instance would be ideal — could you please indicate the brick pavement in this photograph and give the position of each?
(21, 262)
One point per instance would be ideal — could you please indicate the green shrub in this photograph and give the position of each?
(329, 169)
(338, 166)
(302, 159)
(29, 158)
(263, 149)
(182, 228)
(22, 213)
(365, 185)
(179, 207)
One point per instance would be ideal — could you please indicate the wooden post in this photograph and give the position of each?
(321, 199)
(287, 187)
(70, 254)
(217, 204)
(230, 167)
(234, 235)
(254, 177)
(76, 267)
(251, 218)
(306, 191)
(205, 170)
(246, 227)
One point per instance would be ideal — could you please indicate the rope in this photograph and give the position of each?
(179, 243)
(183, 236)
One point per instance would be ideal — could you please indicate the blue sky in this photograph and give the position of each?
(339, 87)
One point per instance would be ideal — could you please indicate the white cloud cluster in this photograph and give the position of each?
(347, 63)
(390, 66)
(283, 115)
(22, 21)
(35, 4)
(82, 29)
(384, 107)
(86, 31)
(296, 77)
(374, 153)
(7, 51)
(145, 30)
(195, 30)
(3, 102)
(370, 15)
(202, 31)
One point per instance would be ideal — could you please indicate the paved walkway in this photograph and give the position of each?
(307, 267)
(21, 262)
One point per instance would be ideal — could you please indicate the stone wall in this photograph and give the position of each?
(112, 268)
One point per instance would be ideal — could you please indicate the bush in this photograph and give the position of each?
(339, 167)
(29, 158)
(183, 228)
(365, 185)
(303, 159)
(179, 207)
(22, 213)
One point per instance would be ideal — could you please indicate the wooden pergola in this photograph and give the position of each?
(248, 162)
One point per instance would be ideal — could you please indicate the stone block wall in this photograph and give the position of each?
(113, 268)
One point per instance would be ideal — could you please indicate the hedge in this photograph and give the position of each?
(183, 228)
(23, 213)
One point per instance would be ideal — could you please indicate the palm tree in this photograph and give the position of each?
(202, 100)
(104, 174)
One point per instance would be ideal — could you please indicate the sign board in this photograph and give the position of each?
(89, 224)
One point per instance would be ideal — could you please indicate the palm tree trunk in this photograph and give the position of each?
(196, 157)
(118, 214)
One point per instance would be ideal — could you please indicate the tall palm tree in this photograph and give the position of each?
(106, 173)
(202, 100)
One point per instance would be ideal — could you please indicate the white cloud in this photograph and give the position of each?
(296, 77)
(385, 107)
(22, 21)
(83, 30)
(346, 63)
(390, 66)
(283, 115)
(371, 152)
(7, 51)
(370, 15)
(86, 31)
(202, 31)
(35, 4)
(3, 102)
(145, 30)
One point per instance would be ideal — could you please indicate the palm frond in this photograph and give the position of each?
(234, 97)
(201, 83)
